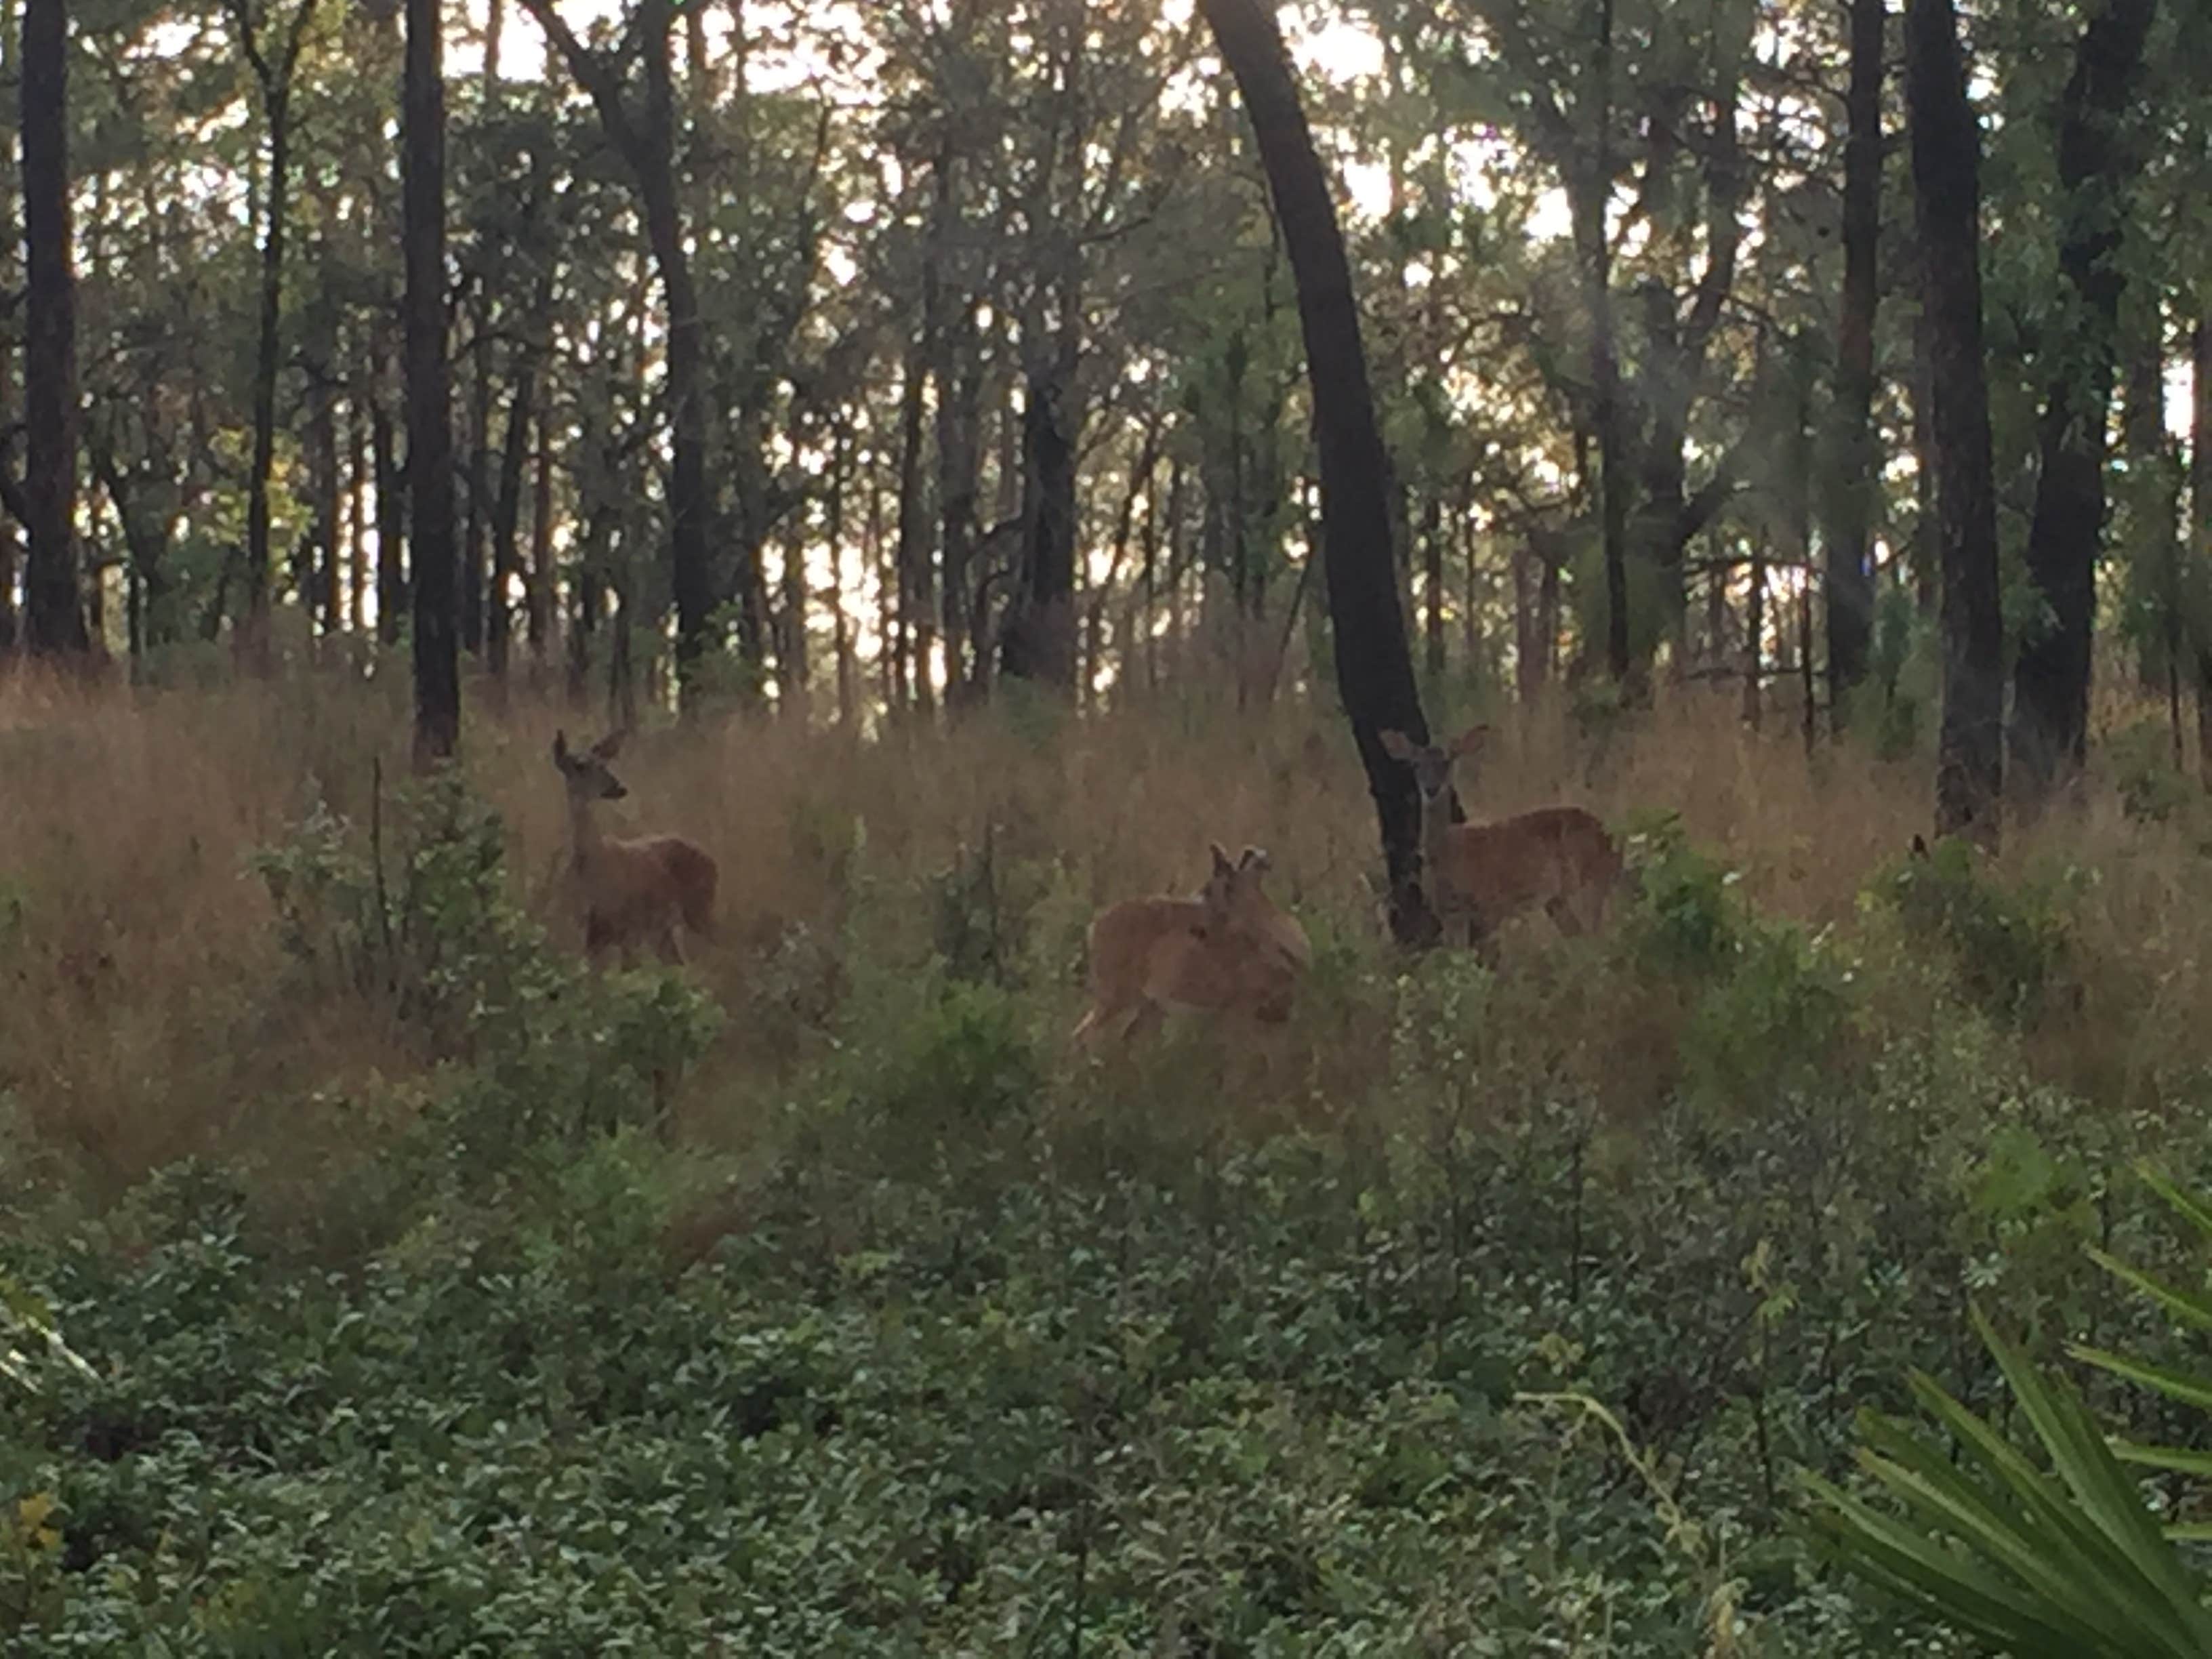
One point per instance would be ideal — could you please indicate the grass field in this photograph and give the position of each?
(439, 1298)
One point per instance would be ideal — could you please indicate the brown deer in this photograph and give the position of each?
(1476, 875)
(644, 891)
(1230, 950)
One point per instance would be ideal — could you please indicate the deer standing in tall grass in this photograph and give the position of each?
(1477, 876)
(1230, 950)
(644, 891)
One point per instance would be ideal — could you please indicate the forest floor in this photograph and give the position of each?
(436, 1297)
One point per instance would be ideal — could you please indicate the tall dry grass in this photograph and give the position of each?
(143, 1016)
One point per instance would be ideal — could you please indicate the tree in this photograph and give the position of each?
(429, 391)
(1946, 216)
(53, 602)
(1374, 667)
(1847, 588)
(273, 76)
(647, 140)
(2050, 679)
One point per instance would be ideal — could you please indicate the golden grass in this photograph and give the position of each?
(142, 1021)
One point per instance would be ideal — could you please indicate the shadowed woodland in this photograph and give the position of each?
(624, 629)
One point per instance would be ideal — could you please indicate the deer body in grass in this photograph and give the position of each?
(1230, 950)
(646, 890)
(1478, 876)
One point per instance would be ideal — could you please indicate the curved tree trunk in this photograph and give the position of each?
(429, 391)
(1374, 669)
(647, 140)
(2050, 679)
(53, 610)
(1947, 146)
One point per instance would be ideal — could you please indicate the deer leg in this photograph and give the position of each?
(598, 936)
(670, 949)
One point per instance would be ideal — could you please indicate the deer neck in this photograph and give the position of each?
(1436, 829)
(585, 839)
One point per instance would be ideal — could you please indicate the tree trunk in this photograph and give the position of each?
(11, 243)
(507, 516)
(2200, 514)
(2051, 677)
(274, 78)
(1946, 218)
(1374, 668)
(357, 529)
(959, 455)
(52, 596)
(429, 391)
(475, 518)
(2154, 499)
(1432, 579)
(910, 664)
(1855, 463)
(330, 503)
(392, 585)
(1040, 637)
(1754, 638)
(1595, 245)
(539, 592)
(648, 143)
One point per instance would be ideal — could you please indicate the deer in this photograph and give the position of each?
(1229, 949)
(1477, 876)
(647, 890)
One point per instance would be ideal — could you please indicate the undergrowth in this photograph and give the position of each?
(818, 1299)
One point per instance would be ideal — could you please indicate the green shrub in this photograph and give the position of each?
(961, 1068)
(1685, 918)
(1774, 1022)
(2009, 944)
(416, 914)
(2152, 786)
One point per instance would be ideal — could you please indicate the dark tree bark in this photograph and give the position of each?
(1595, 247)
(273, 76)
(1946, 218)
(2200, 513)
(53, 599)
(538, 595)
(647, 140)
(2155, 496)
(1374, 668)
(2051, 677)
(1847, 587)
(476, 471)
(329, 505)
(11, 244)
(507, 498)
(1432, 584)
(357, 529)
(959, 455)
(909, 661)
(430, 390)
(392, 599)
(1040, 641)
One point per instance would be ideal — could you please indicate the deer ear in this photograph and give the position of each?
(1221, 864)
(1255, 859)
(609, 746)
(1471, 739)
(560, 748)
(1919, 848)
(1394, 746)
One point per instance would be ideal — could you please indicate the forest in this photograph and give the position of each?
(626, 628)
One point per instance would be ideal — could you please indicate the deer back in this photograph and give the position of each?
(635, 888)
(1497, 870)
